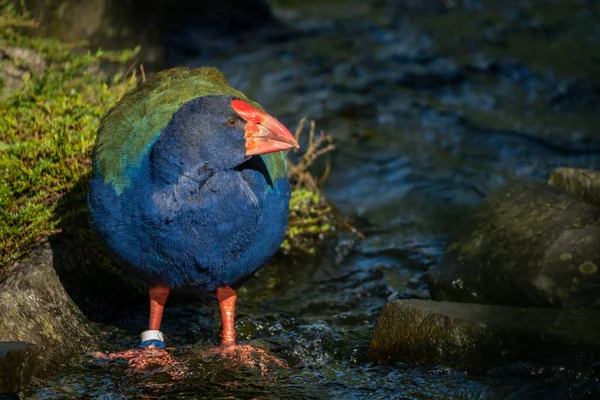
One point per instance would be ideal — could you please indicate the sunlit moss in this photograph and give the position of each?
(47, 130)
(310, 219)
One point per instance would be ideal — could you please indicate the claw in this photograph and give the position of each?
(146, 360)
(238, 355)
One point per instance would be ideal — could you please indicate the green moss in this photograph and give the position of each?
(310, 220)
(588, 268)
(566, 256)
(47, 130)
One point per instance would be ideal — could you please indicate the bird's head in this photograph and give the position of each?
(218, 131)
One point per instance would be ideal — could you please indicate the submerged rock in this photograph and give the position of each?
(475, 336)
(17, 365)
(527, 244)
(582, 182)
(35, 308)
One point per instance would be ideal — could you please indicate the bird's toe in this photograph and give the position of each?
(245, 355)
(147, 360)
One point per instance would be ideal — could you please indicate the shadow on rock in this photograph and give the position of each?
(475, 336)
(527, 244)
(89, 276)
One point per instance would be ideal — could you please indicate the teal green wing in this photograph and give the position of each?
(131, 127)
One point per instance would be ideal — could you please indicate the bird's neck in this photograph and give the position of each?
(171, 157)
(177, 153)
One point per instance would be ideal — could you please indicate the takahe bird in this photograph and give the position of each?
(189, 188)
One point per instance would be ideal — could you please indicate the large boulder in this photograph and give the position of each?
(34, 308)
(527, 244)
(477, 336)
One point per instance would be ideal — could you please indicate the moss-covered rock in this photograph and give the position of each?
(35, 308)
(527, 244)
(17, 365)
(476, 336)
(582, 182)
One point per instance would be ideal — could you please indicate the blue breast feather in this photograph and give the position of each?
(194, 234)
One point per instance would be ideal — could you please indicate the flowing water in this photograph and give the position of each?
(432, 107)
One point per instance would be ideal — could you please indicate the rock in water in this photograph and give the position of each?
(17, 365)
(527, 244)
(477, 336)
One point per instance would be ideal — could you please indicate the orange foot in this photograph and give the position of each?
(244, 355)
(146, 360)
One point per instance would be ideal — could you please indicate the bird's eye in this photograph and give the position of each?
(232, 122)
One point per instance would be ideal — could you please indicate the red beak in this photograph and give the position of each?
(264, 134)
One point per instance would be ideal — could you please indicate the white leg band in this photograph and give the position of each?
(152, 335)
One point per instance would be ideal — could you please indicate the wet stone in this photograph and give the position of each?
(17, 365)
(35, 308)
(478, 336)
(582, 182)
(526, 244)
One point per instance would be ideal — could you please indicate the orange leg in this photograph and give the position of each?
(227, 298)
(237, 355)
(152, 352)
(158, 298)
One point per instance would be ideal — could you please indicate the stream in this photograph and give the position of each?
(432, 107)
